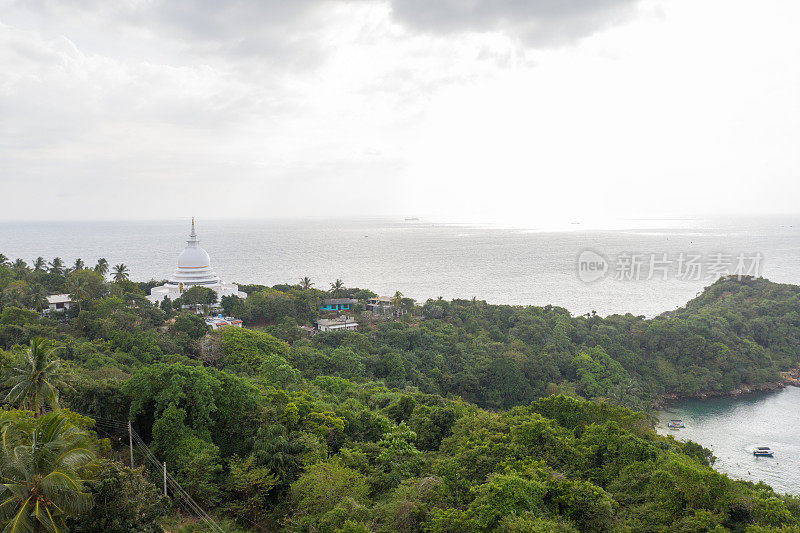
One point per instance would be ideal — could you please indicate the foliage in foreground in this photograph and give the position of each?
(453, 422)
(44, 462)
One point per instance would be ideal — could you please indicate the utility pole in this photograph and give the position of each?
(165, 478)
(130, 440)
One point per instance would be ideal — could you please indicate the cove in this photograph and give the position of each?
(732, 427)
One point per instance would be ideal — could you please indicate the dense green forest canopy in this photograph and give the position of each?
(448, 416)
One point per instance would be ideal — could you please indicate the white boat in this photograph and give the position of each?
(675, 424)
(763, 451)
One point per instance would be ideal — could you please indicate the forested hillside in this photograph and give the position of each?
(456, 416)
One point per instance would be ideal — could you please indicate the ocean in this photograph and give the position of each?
(644, 267)
(732, 427)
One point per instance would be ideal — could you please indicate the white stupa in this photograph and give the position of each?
(194, 269)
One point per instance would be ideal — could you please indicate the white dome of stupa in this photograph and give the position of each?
(193, 258)
(194, 268)
(194, 265)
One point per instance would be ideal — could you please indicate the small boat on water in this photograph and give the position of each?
(675, 424)
(763, 451)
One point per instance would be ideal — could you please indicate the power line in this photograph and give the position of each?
(181, 497)
(176, 487)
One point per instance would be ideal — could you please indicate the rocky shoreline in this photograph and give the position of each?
(790, 377)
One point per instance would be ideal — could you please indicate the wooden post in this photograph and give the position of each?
(165, 478)
(130, 440)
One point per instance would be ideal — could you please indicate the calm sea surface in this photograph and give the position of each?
(426, 260)
(731, 428)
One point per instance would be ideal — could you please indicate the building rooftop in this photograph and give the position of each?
(59, 299)
(222, 321)
(334, 301)
(336, 321)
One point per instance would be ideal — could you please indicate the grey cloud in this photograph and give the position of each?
(542, 23)
(280, 33)
(231, 28)
(226, 20)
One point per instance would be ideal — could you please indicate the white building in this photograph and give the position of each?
(381, 305)
(342, 323)
(216, 322)
(58, 302)
(194, 269)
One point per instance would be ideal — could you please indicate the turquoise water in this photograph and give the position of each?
(732, 427)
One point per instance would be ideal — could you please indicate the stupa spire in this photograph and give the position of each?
(192, 236)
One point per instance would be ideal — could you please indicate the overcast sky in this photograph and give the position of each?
(511, 111)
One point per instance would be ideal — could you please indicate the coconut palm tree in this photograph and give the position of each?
(3, 260)
(306, 283)
(101, 267)
(397, 299)
(39, 265)
(78, 288)
(35, 378)
(120, 272)
(79, 265)
(44, 462)
(20, 267)
(37, 298)
(337, 287)
(57, 266)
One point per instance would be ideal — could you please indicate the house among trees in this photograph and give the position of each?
(338, 304)
(381, 305)
(308, 330)
(216, 322)
(342, 323)
(59, 303)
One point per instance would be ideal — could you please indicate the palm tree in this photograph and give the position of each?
(57, 266)
(38, 298)
(306, 283)
(35, 378)
(44, 462)
(101, 267)
(20, 267)
(120, 272)
(39, 264)
(3, 260)
(79, 265)
(78, 288)
(337, 287)
(397, 299)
